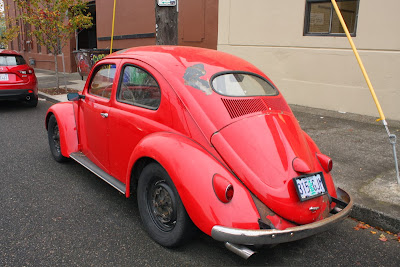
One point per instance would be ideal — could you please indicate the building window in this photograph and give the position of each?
(39, 47)
(27, 31)
(321, 18)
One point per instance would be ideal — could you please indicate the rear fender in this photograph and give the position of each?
(191, 168)
(311, 143)
(64, 113)
(328, 177)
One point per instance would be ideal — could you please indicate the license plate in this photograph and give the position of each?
(310, 186)
(3, 77)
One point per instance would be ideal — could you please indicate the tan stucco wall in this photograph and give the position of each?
(318, 71)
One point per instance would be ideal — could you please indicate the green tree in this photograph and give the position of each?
(54, 22)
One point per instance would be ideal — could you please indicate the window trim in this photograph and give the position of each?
(121, 77)
(307, 19)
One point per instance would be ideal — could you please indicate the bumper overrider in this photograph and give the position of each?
(343, 207)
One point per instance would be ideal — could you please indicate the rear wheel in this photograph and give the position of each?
(163, 214)
(53, 135)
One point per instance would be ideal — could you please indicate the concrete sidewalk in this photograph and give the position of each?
(359, 146)
(46, 79)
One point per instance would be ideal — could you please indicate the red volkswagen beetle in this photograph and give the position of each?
(17, 79)
(202, 139)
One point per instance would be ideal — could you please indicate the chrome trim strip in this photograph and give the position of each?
(274, 236)
(88, 164)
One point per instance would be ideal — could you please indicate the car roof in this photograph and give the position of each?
(9, 52)
(173, 58)
(189, 71)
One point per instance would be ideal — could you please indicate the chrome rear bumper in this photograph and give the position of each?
(274, 236)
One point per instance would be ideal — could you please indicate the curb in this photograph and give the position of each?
(48, 97)
(375, 218)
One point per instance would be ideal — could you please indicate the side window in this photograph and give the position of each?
(102, 81)
(137, 87)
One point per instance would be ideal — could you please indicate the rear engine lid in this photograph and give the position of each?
(260, 150)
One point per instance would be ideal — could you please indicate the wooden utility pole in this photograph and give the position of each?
(166, 24)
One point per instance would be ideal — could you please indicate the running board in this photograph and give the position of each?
(88, 164)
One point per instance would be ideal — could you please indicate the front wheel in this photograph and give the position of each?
(163, 214)
(53, 134)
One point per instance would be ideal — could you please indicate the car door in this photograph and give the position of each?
(141, 107)
(94, 114)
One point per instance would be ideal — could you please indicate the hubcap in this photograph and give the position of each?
(161, 203)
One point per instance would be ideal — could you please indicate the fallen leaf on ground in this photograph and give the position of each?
(363, 226)
(383, 238)
(373, 232)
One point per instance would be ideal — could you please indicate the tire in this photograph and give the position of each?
(32, 102)
(54, 140)
(163, 214)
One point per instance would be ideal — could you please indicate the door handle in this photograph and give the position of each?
(104, 115)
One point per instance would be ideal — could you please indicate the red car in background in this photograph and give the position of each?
(202, 139)
(17, 79)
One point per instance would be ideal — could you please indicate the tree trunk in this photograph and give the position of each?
(56, 70)
(166, 25)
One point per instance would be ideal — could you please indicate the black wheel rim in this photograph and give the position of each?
(161, 204)
(56, 138)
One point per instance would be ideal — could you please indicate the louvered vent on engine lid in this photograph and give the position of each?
(240, 107)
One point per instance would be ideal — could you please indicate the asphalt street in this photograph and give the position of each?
(55, 214)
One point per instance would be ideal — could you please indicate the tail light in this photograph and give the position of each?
(325, 161)
(30, 71)
(300, 165)
(223, 188)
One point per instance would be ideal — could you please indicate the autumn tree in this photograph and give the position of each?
(8, 28)
(54, 21)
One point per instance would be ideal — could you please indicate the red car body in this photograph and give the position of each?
(233, 159)
(17, 79)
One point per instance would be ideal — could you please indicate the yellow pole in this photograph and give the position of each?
(392, 137)
(371, 89)
(112, 30)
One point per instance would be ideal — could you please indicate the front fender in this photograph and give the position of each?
(191, 168)
(64, 113)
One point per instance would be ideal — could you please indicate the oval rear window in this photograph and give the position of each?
(242, 84)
